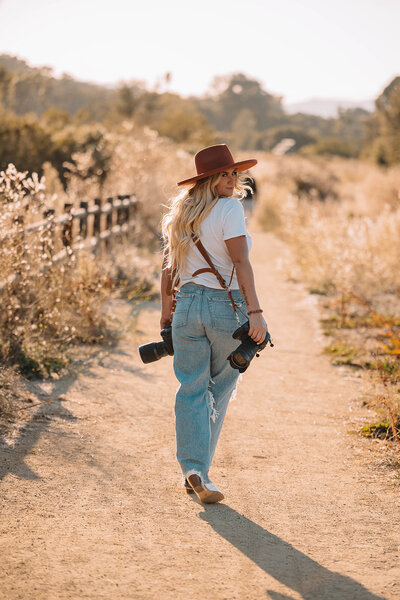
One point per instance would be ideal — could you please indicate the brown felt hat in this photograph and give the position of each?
(215, 159)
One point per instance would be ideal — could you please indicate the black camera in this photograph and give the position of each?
(248, 349)
(156, 350)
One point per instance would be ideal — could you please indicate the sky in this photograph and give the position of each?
(297, 49)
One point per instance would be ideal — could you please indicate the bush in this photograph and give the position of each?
(330, 146)
(24, 142)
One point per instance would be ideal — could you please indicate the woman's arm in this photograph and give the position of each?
(239, 253)
(166, 299)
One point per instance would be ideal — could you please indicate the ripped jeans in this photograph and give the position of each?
(202, 328)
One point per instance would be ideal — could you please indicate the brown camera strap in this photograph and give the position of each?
(214, 271)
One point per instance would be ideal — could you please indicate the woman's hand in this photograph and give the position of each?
(258, 327)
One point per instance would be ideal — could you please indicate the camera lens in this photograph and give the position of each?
(243, 355)
(238, 360)
(152, 352)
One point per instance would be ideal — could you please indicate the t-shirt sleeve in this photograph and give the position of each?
(233, 224)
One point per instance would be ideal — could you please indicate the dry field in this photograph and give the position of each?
(90, 484)
(93, 502)
(341, 219)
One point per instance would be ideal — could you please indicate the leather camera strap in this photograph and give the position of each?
(214, 271)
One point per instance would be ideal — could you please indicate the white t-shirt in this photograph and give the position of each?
(225, 220)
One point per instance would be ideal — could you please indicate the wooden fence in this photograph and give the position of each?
(88, 227)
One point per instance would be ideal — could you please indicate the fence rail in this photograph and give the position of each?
(85, 227)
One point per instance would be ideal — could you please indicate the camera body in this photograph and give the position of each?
(241, 357)
(155, 350)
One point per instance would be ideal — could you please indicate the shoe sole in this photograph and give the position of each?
(204, 495)
(208, 497)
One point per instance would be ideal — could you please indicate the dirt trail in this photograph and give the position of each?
(92, 503)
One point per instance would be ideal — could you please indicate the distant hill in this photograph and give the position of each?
(325, 107)
(18, 65)
(35, 89)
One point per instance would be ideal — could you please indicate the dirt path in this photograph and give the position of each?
(91, 500)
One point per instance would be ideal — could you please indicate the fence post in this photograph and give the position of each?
(109, 221)
(66, 234)
(96, 227)
(122, 214)
(127, 208)
(109, 216)
(132, 217)
(83, 220)
(119, 210)
(97, 218)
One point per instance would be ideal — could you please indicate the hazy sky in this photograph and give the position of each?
(348, 49)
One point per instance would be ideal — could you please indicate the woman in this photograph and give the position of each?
(204, 317)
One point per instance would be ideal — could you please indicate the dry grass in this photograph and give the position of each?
(364, 338)
(140, 163)
(50, 310)
(341, 219)
(11, 393)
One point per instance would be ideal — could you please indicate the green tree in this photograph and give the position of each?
(86, 138)
(23, 142)
(244, 130)
(126, 101)
(5, 84)
(233, 93)
(176, 118)
(36, 89)
(388, 113)
(55, 118)
(350, 127)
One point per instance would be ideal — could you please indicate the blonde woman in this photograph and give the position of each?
(204, 318)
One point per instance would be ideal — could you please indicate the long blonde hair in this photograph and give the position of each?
(186, 213)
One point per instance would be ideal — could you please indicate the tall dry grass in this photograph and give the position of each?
(45, 307)
(48, 311)
(341, 219)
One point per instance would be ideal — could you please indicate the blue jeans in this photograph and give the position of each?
(202, 328)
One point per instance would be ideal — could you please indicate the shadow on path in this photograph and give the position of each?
(12, 455)
(281, 560)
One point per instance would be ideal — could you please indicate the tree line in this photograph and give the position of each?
(47, 119)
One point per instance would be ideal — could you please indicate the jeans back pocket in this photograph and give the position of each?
(183, 304)
(222, 314)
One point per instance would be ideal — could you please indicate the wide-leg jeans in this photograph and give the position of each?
(202, 328)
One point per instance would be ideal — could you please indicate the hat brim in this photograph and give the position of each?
(240, 166)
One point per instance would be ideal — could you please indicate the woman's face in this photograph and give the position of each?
(227, 183)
